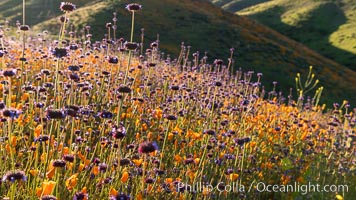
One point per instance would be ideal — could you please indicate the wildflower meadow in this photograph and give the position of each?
(110, 119)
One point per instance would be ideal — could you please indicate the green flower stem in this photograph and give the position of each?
(143, 173)
(131, 39)
(23, 37)
(128, 66)
(2, 58)
(132, 25)
(63, 29)
(164, 144)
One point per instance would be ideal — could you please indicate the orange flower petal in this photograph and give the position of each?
(33, 172)
(125, 177)
(39, 192)
(95, 170)
(137, 162)
(65, 150)
(234, 177)
(113, 192)
(84, 190)
(72, 181)
(47, 187)
(13, 140)
(81, 167)
(50, 172)
(38, 131)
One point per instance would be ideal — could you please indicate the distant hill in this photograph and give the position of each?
(327, 26)
(36, 10)
(205, 27)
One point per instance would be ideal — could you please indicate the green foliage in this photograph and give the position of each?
(36, 10)
(326, 26)
(308, 86)
(286, 164)
(241, 4)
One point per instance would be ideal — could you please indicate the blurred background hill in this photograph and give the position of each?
(326, 26)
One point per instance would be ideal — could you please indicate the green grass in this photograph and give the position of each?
(207, 28)
(326, 26)
(36, 10)
(237, 4)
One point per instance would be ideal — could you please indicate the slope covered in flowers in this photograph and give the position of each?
(94, 120)
(204, 27)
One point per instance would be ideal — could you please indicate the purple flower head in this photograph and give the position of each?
(147, 147)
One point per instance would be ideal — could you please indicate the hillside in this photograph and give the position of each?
(82, 123)
(327, 26)
(205, 27)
